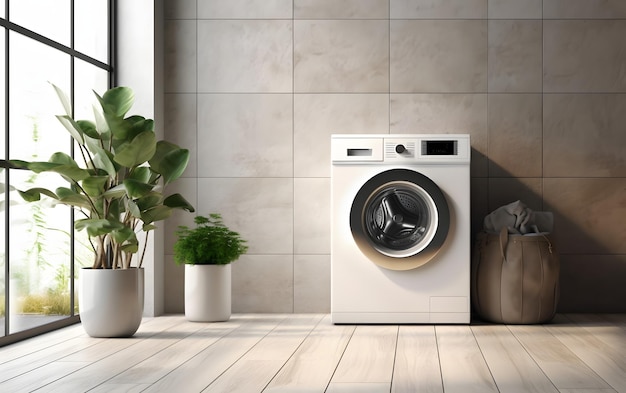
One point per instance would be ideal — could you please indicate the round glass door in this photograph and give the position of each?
(399, 219)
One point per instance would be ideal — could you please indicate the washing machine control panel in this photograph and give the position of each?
(409, 149)
(440, 148)
(436, 149)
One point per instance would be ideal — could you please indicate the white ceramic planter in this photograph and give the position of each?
(207, 293)
(110, 301)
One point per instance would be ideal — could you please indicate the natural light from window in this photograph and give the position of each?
(36, 253)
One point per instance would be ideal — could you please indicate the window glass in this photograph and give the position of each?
(46, 17)
(87, 79)
(91, 24)
(39, 239)
(34, 131)
(37, 243)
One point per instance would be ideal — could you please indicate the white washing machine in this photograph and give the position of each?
(400, 228)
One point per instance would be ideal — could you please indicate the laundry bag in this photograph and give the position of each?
(515, 278)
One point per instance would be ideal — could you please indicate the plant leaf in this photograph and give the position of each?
(134, 209)
(103, 159)
(64, 100)
(19, 164)
(131, 247)
(156, 213)
(169, 160)
(102, 126)
(148, 227)
(141, 174)
(71, 172)
(136, 189)
(117, 101)
(95, 186)
(177, 201)
(88, 128)
(137, 151)
(115, 192)
(70, 197)
(135, 125)
(149, 201)
(123, 234)
(66, 167)
(73, 128)
(97, 226)
(34, 194)
(62, 158)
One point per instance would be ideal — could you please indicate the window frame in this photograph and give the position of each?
(6, 167)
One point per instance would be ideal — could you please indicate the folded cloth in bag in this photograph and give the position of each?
(518, 219)
(515, 278)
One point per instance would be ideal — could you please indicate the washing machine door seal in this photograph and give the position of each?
(400, 219)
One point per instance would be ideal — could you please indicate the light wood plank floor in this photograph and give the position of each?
(304, 353)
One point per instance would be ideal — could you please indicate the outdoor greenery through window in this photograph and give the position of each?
(43, 42)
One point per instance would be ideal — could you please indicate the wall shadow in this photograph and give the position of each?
(589, 282)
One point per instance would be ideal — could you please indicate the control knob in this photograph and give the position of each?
(400, 149)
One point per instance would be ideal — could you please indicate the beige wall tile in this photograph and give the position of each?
(181, 125)
(341, 56)
(479, 203)
(180, 56)
(188, 188)
(593, 283)
(255, 56)
(341, 9)
(584, 9)
(180, 9)
(311, 283)
(245, 135)
(438, 9)
(317, 116)
(262, 283)
(260, 209)
(174, 286)
(311, 216)
(444, 114)
(584, 135)
(515, 57)
(515, 133)
(589, 214)
(584, 56)
(244, 9)
(515, 9)
(503, 191)
(399, 66)
(438, 56)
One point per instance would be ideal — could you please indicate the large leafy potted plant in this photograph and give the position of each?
(118, 194)
(207, 251)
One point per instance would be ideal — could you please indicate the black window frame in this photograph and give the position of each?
(6, 167)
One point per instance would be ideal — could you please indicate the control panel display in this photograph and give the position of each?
(439, 148)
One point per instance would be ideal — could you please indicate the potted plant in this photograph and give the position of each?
(207, 251)
(117, 193)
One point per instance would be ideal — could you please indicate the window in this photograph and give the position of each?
(67, 43)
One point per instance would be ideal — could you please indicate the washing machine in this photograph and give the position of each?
(400, 229)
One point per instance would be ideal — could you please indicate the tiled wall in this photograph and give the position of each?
(255, 88)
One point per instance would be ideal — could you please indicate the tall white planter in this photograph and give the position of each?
(207, 292)
(110, 301)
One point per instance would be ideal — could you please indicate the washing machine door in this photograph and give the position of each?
(400, 219)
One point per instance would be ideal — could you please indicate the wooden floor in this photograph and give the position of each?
(305, 353)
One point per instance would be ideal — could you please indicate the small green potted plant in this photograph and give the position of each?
(207, 251)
